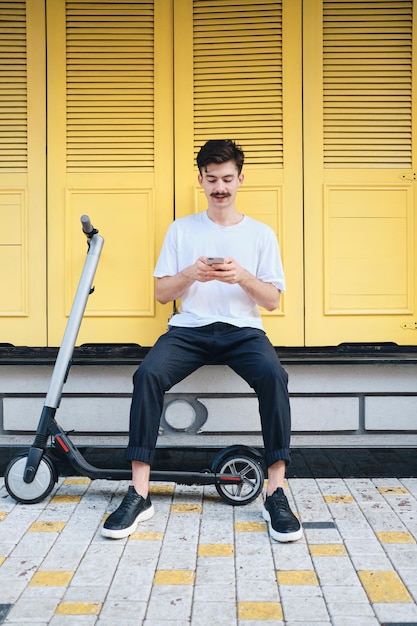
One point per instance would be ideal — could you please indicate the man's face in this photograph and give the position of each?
(220, 183)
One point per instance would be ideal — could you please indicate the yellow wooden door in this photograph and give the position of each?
(109, 156)
(22, 174)
(238, 76)
(360, 206)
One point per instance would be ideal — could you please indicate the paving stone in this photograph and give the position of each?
(215, 569)
(370, 562)
(257, 590)
(64, 557)
(300, 591)
(395, 613)
(298, 610)
(335, 571)
(402, 555)
(292, 556)
(173, 602)
(24, 611)
(334, 593)
(308, 623)
(131, 582)
(384, 586)
(86, 594)
(73, 620)
(127, 612)
(224, 592)
(350, 609)
(259, 611)
(360, 620)
(35, 545)
(219, 612)
(359, 547)
(161, 622)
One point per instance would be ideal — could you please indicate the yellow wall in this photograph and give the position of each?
(317, 92)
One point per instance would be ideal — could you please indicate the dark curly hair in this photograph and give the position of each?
(220, 151)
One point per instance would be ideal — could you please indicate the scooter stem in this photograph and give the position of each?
(74, 321)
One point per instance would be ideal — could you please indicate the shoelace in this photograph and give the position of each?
(279, 504)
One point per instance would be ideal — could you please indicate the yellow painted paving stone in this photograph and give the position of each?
(51, 579)
(2, 559)
(327, 549)
(147, 536)
(211, 497)
(66, 499)
(161, 489)
(345, 499)
(174, 577)
(384, 586)
(250, 527)
(393, 491)
(395, 537)
(77, 480)
(47, 527)
(3, 515)
(78, 608)
(261, 611)
(297, 577)
(186, 508)
(216, 549)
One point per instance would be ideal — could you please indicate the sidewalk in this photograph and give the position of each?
(202, 562)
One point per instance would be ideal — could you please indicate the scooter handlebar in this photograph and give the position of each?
(88, 228)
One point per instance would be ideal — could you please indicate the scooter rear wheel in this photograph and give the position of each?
(38, 489)
(252, 475)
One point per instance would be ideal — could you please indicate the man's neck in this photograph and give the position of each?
(225, 218)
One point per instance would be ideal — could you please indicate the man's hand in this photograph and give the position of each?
(264, 294)
(227, 272)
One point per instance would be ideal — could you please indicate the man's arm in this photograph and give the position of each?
(265, 295)
(169, 288)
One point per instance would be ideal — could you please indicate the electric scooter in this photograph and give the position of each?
(236, 471)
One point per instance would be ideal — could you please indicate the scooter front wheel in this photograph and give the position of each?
(38, 489)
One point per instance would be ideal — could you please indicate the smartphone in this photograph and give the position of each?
(214, 259)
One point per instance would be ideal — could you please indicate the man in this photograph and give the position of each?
(218, 322)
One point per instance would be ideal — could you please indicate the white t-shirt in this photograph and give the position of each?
(254, 247)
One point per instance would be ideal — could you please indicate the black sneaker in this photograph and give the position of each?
(282, 523)
(123, 521)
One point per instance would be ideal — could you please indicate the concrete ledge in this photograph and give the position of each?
(324, 398)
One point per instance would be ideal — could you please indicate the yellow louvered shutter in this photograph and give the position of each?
(237, 75)
(14, 118)
(360, 208)
(22, 173)
(367, 57)
(110, 86)
(110, 156)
